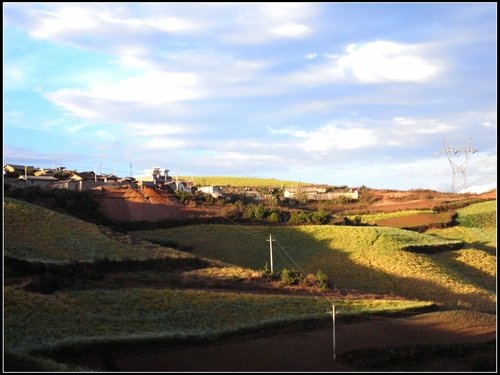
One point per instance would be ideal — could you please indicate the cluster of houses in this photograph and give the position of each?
(22, 176)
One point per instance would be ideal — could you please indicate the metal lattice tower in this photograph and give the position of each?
(459, 169)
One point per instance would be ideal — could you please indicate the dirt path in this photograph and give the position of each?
(308, 351)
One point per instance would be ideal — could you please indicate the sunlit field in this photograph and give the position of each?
(34, 233)
(369, 259)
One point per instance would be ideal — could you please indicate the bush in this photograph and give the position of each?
(321, 280)
(274, 217)
(299, 218)
(320, 217)
(290, 277)
(266, 273)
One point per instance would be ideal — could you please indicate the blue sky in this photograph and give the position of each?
(337, 93)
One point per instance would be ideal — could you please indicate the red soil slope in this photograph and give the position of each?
(140, 204)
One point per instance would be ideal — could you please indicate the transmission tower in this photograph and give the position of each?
(459, 168)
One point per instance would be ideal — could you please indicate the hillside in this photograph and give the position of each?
(34, 233)
(124, 204)
(140, 204)
(73, 287)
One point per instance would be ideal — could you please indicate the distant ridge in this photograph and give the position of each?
(243, 181)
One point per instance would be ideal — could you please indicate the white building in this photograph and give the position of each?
(214, 191)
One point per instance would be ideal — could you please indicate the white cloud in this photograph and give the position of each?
(151, 88)
(291, 30)
(157, 129)
(478, 189)
(385, 61)
(66, 22)
(63, 21)
(407, 126)
(266, 22)
(373, 62)
(332, 137)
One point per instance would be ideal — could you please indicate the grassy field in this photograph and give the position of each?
(242, 181)
(36, 322)
(34, 233)
(368, 259)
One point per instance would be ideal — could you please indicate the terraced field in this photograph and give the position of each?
(125, 303)
(367, 259)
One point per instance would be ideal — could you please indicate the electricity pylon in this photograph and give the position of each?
(459, 169)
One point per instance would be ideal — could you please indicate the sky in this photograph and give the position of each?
(356, 94)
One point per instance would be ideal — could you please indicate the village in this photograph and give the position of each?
(21, 176)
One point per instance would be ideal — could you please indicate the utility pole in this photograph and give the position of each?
(333, 330)
(271, 251)
(130, 169)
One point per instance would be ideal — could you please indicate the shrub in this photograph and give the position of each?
(274, 217)
(290, 277)
(322, 280)
(299, 218)
(320, 217)
(266, 273)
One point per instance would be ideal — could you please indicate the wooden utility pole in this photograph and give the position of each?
(333, 330)
(271, 251)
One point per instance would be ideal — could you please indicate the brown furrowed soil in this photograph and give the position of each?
(295, 349)
(424, 220)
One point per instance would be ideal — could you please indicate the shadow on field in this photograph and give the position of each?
(409, 344)
(482, 246)
(465, 272)
(295, 249)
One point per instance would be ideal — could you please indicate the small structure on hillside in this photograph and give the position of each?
(214, 191)
(319, 193)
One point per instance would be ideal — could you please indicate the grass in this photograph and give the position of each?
(479, 215)
(35, 322)
(368, 259)
(370, 218)
(242, 181)
(34, 233)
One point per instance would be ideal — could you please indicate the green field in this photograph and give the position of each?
(142, 315)
(371, 218)
(356, 258)
(368, 259)
(242, 181)
(34, 233)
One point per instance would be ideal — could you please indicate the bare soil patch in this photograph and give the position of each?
(311, 350)
(140, 204)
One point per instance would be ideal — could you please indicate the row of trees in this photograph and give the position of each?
(260, 212)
